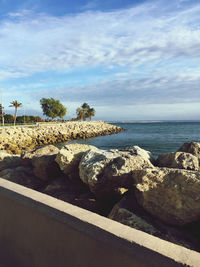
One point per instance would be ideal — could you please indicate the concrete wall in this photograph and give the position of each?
(37, 230)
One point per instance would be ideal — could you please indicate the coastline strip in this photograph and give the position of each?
(16, 140)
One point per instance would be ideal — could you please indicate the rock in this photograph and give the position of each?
(64, 184)
(128, 212)
(43, 161)
(172, 195)
(179, 160)
(74, 192)
(191, 147)
(125, 212)
(23, 176)
(69, 157)
(107, 173)
(15, 140)
(9, 161)
(46, 150)
(136, 150)
(45, 167)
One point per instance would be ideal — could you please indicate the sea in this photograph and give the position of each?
(158, 137)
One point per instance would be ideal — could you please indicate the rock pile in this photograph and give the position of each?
(160, 197)
(15, 140)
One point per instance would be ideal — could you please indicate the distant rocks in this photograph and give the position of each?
(160, 197)
(15, 140)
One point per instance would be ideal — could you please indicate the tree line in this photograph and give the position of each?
(8, 118)
(51, 108)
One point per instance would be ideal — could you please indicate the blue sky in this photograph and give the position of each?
(130, 60)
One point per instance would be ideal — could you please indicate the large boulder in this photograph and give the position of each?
(69, 157)
(109, 173)
(178, 160)
(172, 195)
(22, 175)
(8, 160)
(128, 212)
(191, 147)
(43, 162)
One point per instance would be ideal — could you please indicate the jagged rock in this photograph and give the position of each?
(9, 161)
(172, 195)
(69, 157)
(128, 212)
(43, 161)
(179, 160)
(107, 173)
(23, 176)
(191, 147)
(15, 140)
(136, 150)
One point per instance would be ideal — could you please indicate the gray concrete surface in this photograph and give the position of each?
(37, 230)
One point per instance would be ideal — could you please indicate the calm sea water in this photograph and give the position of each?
(157, 137)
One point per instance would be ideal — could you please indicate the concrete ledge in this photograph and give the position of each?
(39, 230)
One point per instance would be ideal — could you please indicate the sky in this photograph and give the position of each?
(129, 59)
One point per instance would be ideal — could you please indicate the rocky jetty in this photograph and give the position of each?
(15, 140)
(160, 197)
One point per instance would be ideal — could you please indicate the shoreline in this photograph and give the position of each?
(128, 186)
(17, 139)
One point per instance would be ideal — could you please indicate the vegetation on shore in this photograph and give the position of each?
(16, 105)
(84, 112)
(51, 108)
(8, 118)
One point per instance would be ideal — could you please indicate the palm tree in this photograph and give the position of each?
(84, 112)
(90, 113)
(80, 113)
(17, 105)
(85, 107)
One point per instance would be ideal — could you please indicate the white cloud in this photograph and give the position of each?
(126, 92)
(150, 54)
(6, 74)
(143, 35)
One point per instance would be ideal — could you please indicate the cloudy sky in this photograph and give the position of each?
(129, 59)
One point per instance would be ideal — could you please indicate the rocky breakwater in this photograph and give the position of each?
(160, 197)
(18, 139)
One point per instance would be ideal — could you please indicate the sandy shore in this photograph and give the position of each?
(15, 140)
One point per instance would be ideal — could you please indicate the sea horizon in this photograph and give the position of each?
(149, 121)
